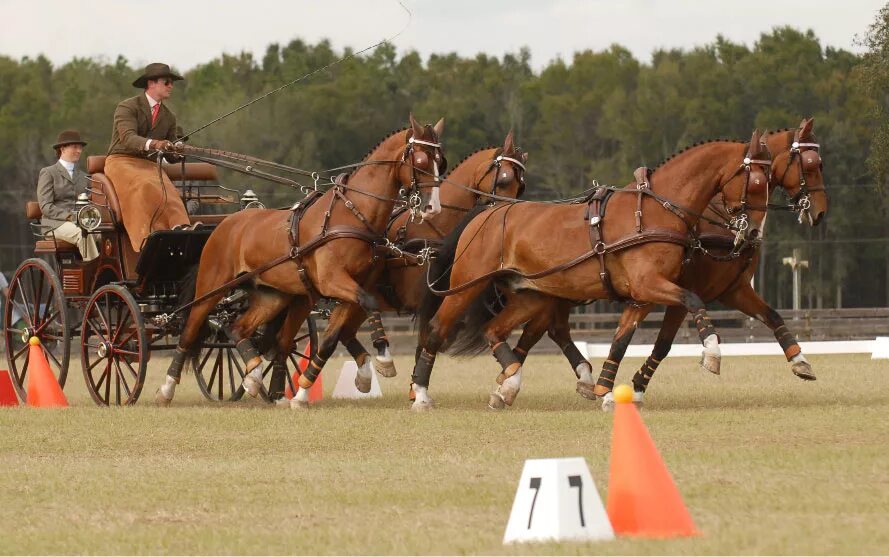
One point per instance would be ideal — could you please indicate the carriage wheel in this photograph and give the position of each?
(304, 347)
(218, 369)
(36, 296)
(114, 347)
(220, 372)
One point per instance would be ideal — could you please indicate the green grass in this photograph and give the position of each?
(767, 464)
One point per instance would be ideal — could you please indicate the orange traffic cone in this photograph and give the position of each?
(43, 389)
(642, 498)
(316, 392)
(7, 391)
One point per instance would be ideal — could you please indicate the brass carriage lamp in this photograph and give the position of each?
(88, 215)
(251, 201)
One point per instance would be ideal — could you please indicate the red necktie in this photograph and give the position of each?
(154, 110)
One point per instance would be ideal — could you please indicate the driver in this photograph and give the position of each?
(57, 189)
(142, 125)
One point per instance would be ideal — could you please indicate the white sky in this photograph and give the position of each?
(185, 33)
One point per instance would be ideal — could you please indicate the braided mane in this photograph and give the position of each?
(467, 157)
(385, 139)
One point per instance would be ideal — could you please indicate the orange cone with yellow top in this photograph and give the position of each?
(43, 388)
(642, 498)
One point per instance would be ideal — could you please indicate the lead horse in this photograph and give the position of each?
(324, 246)
(580, 252)
(716, 271)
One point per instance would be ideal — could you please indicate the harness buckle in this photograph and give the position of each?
(599, 248)
(595, 220)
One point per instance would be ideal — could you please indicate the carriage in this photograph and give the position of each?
(119, 305)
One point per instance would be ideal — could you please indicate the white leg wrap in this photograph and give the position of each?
(584, 372)
(421, 395)
(367, 369)
(302, 395)
(386, 356)
(168, 389)
(711, 346)
(799, 358)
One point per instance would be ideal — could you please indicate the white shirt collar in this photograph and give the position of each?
(69, 166)
(151, 102)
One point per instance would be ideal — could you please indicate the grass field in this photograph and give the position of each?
(766, 463)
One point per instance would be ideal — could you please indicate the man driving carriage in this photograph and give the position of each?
(57, 188)
(143, 125)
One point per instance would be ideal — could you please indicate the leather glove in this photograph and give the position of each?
(160, 144)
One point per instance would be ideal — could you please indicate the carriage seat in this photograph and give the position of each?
(33, 212)
(193, 170)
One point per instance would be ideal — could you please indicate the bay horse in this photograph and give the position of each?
(638, 248)
(324, 246)
(401, 284)
(715, 272)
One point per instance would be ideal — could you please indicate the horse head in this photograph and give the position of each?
(503, 173)
(421, 166)
(799, 171)
(746, 194)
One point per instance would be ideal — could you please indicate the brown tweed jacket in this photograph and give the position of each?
(132, 127)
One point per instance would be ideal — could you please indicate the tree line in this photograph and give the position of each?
(596, 116)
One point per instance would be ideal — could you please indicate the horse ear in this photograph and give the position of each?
(507, 143)
(754, 141)
(415, 126)
(806, 126)
(438, 128)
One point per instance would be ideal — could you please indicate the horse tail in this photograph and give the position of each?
(469, 339)
(439, 275)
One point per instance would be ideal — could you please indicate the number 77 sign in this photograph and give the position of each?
(556, 501)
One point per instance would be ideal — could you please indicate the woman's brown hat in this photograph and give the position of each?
(68, 137)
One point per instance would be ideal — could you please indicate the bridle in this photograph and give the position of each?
(801, 201)
(421, 158)
(499, 179)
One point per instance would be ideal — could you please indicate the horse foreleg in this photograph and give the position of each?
(745, 299)
(352, 316)
(673, 319)
(297, 312)
(626, 328)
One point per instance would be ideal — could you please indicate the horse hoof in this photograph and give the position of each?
(608, 402)
(600, 390)
(282, 402)
(298, 404)
(362, 383)
(422, 406)
(803, 370)
(160, 399)
(252, 385)
(508, 393)
(496, 402)
(586, 390)
(710, 362)
(385, 368)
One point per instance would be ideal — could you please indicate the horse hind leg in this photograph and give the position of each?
(353, 317)
(190, 335)
(560, 332)
(264, 305)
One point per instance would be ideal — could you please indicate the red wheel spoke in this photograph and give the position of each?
(108, 383)
(106, 327)
(126, 339)
(125, 352)
(53, 356)
(26, 306)
(94, 364)
(96, 329)
(38, 295)
(104, 375)
(123, 381)
(133, 371)
(20, 352)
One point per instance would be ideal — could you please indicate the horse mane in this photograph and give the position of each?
(718, 140)
(384, 140)
(467, 157)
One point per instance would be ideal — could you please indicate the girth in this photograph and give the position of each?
(595, 215)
